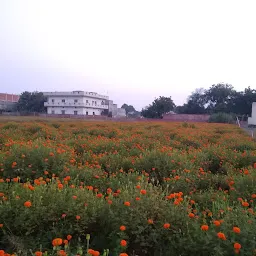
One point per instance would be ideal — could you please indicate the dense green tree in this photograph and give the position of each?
(160, 106)
(242, 102)
(31, 102)
(195, 103)
(219, 98)
(128, 108)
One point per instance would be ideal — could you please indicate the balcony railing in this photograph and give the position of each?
(74, 104)
(76, 93)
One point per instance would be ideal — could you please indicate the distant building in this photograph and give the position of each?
(8, 101)
(75, 103)
(80, 103)
(121, 112)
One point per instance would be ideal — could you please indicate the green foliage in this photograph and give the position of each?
(160, 106)
(219, 98)
(79, 175)
(222, 118)
(10, 125)
(31, 102)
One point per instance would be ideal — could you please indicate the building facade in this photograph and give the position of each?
(8, 101)
(76, 103)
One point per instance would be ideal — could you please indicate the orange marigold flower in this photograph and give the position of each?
(122, 228)
(236, 230)
(150, 221)
(38, 253)
(254, 196)
(127, 203)
(191, 215)
(143, 192)
(137, 198)
(109, 191)
(90, 251)
(27, 204)
(167, 225)
(57, 242)
(78, 217)
(60, 186)
(204, 227)
(237, 246)
(1, 225)
(74, 197)
(245, 204)
(217, 223)
(69, 237)
(138, 186)
(221, 236)
(99, 195)
(123, 254)
(62, 253)
(123, 243)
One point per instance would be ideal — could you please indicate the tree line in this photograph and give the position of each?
(219, 98)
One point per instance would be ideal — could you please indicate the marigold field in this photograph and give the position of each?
(112, 188)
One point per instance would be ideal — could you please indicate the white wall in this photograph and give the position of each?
(71, 111)
(69, 106)
(252, 119)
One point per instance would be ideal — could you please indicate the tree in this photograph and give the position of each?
(195, 103)
(130, 111)
(219, 98)
(159, 106)
(31, 102)
(242, 102)
(128, 108)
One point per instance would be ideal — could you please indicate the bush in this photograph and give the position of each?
(222, 118)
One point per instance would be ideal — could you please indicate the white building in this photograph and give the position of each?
(252, 119)
(76, 103)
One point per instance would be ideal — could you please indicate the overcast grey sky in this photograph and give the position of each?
(132, 50)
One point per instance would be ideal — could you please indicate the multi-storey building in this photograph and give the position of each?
(8, 101)
(76, 103)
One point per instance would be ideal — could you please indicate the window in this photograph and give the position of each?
(63, 112)
(87, 101)
(93, 113)
(103, 103)
(52, 100)
(53, 112)
(75, 101)
(62, 100)
(87, 113)
(75, 112)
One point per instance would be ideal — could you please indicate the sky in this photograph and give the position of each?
(132, 51)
